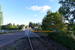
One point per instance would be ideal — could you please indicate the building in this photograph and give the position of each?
(1, 17)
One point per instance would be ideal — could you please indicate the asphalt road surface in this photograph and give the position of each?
(11, 37)
(8, 38)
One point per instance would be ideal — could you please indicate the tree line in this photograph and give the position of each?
(12, 27)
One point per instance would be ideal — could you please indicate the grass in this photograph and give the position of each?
(63, 39)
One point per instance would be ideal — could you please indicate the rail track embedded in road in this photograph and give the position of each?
(39, 43)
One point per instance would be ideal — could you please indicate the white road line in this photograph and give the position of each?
(29, 40)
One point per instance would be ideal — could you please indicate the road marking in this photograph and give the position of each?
(29, 40)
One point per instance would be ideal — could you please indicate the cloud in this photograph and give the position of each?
(40, 8)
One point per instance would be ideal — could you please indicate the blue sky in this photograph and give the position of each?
(25, 11)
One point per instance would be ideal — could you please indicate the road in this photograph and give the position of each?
(5, 39)
(9, 38)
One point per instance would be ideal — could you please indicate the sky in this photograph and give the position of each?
(25, 11)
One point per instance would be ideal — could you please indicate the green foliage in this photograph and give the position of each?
(63, 39)
(52, 19)
(20, 27)
(32, 25)
(67, 9)
(12, 27)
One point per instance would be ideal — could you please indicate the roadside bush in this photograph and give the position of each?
(63, 39)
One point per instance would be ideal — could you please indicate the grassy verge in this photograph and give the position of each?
(63, 39)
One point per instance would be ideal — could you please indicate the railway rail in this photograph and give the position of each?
(39, 43)
(36, 43)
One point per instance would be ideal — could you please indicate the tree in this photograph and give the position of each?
(68, 11)
(32, 25)
(52, 21)
(9, 26)
(21, 27)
